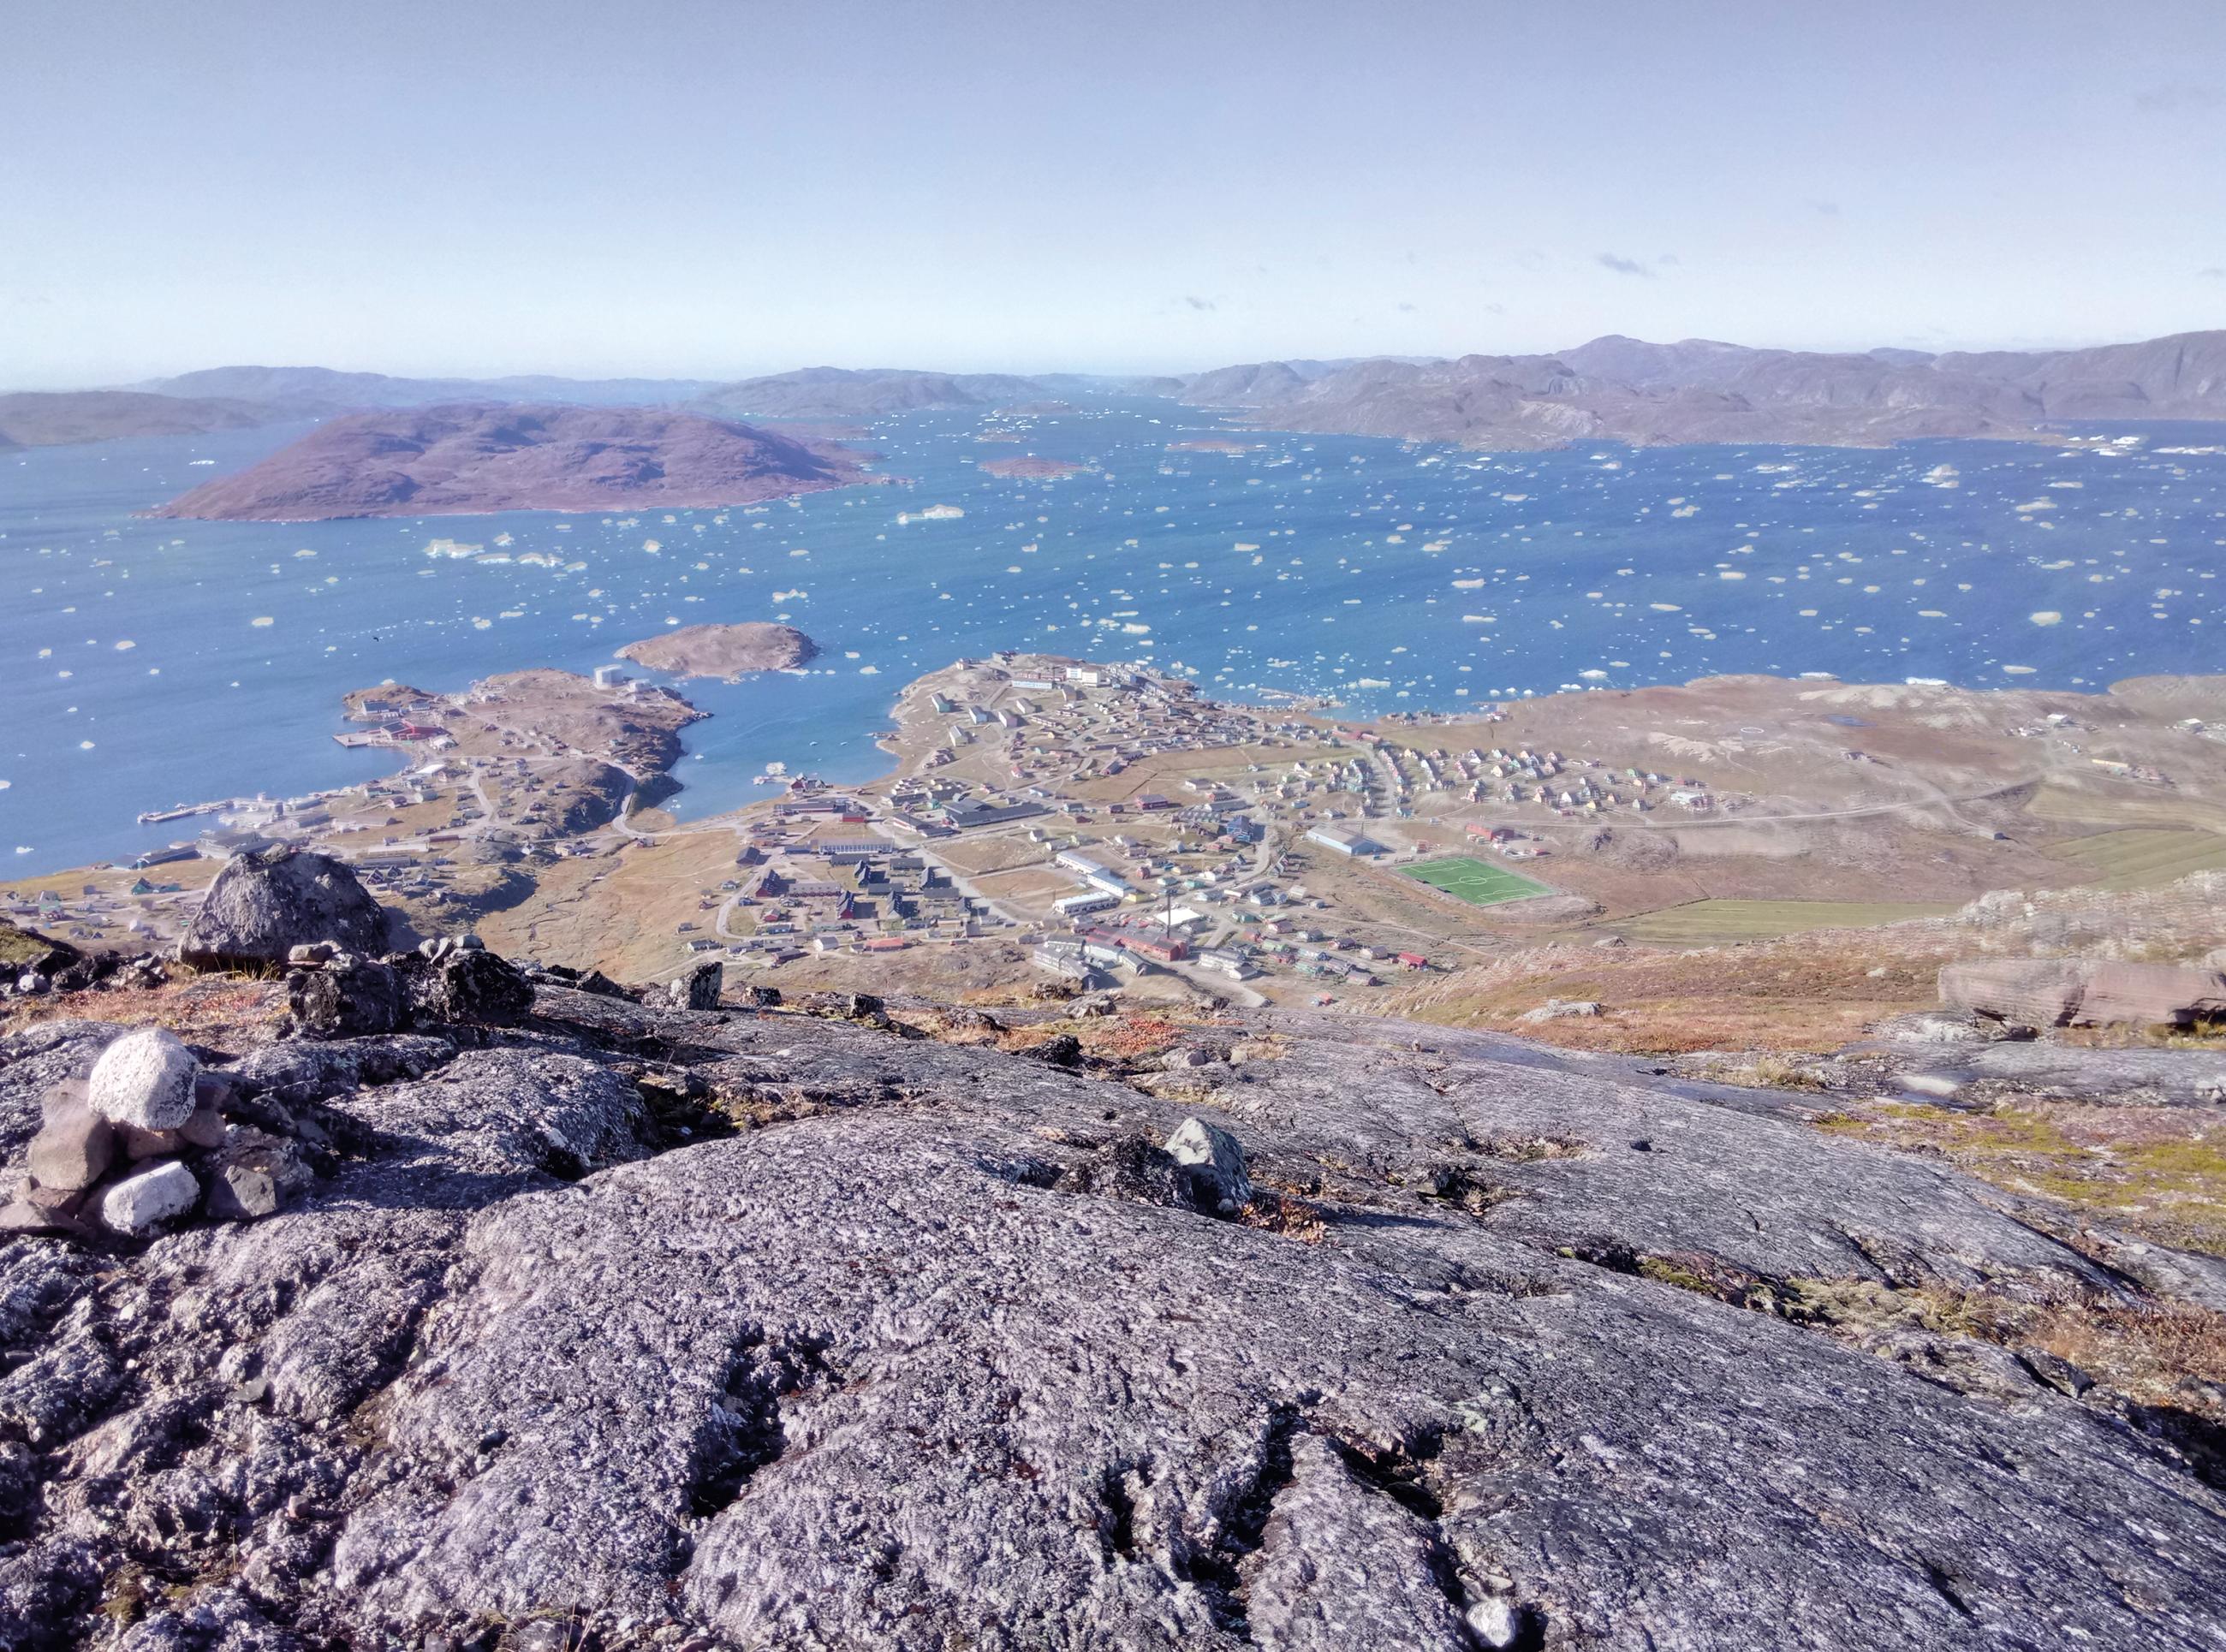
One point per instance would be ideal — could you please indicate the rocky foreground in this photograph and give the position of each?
(612, 1317)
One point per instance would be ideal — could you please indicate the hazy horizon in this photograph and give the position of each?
(962, 369)
(732, 190)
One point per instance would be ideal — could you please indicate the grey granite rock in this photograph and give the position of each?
(939, 1358)
(297, 1073)
(264, 905)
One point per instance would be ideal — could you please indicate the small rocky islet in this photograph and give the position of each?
(426, 1297)
(727, 651)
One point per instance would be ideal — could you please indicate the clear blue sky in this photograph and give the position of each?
(719, 187)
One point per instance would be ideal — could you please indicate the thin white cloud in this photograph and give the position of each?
(2182, 95)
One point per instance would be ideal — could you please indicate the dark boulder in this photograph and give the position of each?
(253, 1176)
(1060, 1050)
(467, 984)
(1215, 1164)
(700, 987)
(346, 997)
(1134, 1168)
(593, 981)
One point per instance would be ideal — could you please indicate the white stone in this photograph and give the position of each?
(1493, 1621)
(1216, 1160)
(137, 1203)
(145, 1079)
(1555, 1009)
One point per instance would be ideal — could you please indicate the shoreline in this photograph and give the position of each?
(1301, 704)
(1743, 806)
(1978, 676)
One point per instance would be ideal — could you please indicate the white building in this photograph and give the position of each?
(1344, 843)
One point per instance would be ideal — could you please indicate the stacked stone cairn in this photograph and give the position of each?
(145, 1139)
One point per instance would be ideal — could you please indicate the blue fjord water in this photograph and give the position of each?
(150, 663)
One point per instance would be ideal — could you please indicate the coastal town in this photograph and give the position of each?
(1025, 812)
(1060, 824)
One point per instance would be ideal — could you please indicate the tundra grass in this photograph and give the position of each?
(1710, 923)
(2142, 857)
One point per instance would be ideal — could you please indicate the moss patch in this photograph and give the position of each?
(2157, 1171)
(20, 947)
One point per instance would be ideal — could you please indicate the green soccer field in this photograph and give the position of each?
(1475, 882)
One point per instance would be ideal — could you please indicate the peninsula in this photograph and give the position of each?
(472, 458)
(728, 651)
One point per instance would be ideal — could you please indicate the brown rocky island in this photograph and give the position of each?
(728, 651)
(473, 458)
(1033, 468)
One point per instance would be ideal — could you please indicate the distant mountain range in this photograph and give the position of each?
(55, 419)
(807, 393)
(462, 458)
(869, 392)
(1624, 390)
(1613, 389)
(312, 391)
